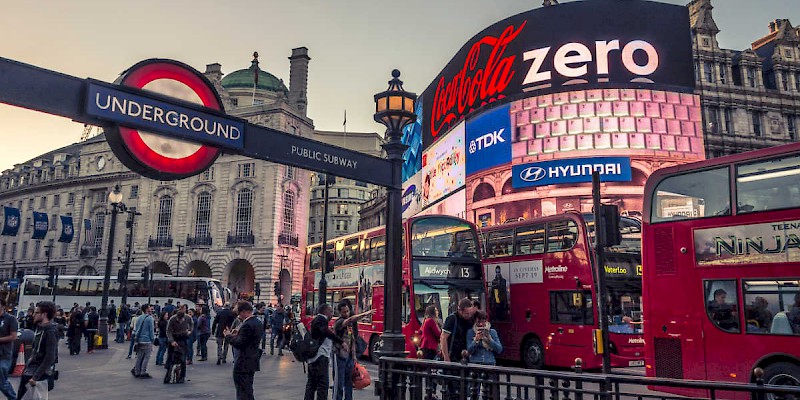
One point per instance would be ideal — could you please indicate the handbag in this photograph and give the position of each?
(361, 378)
(361, 345)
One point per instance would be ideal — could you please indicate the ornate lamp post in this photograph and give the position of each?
(394, 108)
(115, 198)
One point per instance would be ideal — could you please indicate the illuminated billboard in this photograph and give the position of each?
(444, 167)
(589, 44)
(488, 139)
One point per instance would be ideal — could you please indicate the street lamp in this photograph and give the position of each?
(127, 263)
(394, 108)
(178, 266)
(115, 198)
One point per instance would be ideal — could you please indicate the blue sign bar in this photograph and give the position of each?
(162, 117)
(575, 170)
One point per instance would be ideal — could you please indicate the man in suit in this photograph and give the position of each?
(222, 321)
(245, 339)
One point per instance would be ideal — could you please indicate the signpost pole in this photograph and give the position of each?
(323, 283)
(600, 262)
(114, 197)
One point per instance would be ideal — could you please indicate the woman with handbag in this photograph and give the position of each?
(431, 332)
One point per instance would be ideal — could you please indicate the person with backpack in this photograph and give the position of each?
(222, 321)
(318, 372)
(39, 368)
(123, 318)
(203, 333)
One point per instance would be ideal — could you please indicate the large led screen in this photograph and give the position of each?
(444, 167)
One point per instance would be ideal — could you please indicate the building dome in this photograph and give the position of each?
(243, 79)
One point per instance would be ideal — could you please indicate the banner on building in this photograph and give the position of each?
(87, 231)
(67, 230)
(10, 221)
(40, 225)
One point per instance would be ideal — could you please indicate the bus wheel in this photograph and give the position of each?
(782, 373)
(533, 354)
(374, 348)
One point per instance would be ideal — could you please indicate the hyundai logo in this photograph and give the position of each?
(532, 174)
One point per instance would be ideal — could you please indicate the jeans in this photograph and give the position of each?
(276, 333)
(202, 345)
(162, 349)
(5, 386)
(123, 326)
(89, 334)
(222, 348)
(344, 378)
(176, 355)
(143, 351)
(243, 381)
(190, 344)
(130, 347)
(318, 380)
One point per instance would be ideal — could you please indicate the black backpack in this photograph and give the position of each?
(301, 344)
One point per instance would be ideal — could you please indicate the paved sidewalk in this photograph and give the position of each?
(105, 375)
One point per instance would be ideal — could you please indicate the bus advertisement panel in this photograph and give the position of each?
(542, 296)
(441, 265)
(728, 263)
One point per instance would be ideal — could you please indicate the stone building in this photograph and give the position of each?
(242, 221)
(750, 97)
(345, 196)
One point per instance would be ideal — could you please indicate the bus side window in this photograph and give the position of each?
(500, 243)
(571, 307)
(561, 235)
(364, 250)
(722, 304)
(377, 248)
(768, 185)
(339, 260)
(530, 240)
(351, 251)
(692, 195)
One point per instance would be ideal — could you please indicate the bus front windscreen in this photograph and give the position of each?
(443, 237)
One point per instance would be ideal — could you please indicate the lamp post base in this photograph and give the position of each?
(102, 330)
(393, 345)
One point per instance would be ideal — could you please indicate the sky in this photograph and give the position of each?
(353, 45)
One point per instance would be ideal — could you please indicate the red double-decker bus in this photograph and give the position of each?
(441, 265)
(542, 294)
(721, 252)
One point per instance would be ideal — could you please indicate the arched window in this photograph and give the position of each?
(164, 217)
(202, 227)
(244, 212)
(99, 229)
(288, 211)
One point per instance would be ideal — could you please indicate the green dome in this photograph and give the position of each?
(243, 78)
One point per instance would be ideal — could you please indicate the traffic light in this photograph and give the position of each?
(146, 275)
(121, 274)
(277, 289)
(258, 289)
(608, 233)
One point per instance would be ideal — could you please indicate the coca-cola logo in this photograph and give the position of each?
(475, 85)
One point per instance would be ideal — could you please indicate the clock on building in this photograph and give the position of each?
(101, 163)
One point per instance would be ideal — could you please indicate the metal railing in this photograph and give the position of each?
(414, 379)
(238, 240)
(288, 239)
(199, 241)
(159, 242)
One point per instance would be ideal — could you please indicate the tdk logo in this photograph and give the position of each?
(486, 140)
(533, 174)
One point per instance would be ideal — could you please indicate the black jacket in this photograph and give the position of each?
(45, 352)
(320, 330)
(223, 320)
(247, 342)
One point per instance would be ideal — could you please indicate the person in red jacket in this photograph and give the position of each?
(431, 331)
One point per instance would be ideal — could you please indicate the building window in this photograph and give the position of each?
(728, 115)
(289, 172)
(712, 122)
(48, 250)
(134, 192)
(785, 80)
(3, 253)
(24, 250)
(344, 193)
(71, 198)
(708, 69)
(313, 227)
(14, 251)
(341, 225)
(208, 175)
(30, 204)
(164, 217)
(43, 202)
(53, 221)
(722, 74)
(99, 229)
(246, 170)
(244, 212)
(234, 102)
(791, 127)
(342, 209)
(202, 227)
(56, 200)
(28, 224)
(757, 123)
(288, 211)
(751, 76)
(37, 249)
(797, 81)
(64, 249)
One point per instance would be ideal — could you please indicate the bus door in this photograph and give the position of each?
(722, 328)
(572, 317)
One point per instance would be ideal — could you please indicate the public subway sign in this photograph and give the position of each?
(576, 170)
(577, 45)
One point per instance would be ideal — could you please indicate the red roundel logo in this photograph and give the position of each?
(157, 156)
